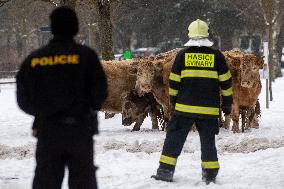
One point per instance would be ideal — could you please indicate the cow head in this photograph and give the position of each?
(133, 108)
(250, 65)
(149, 75)
(244, 67)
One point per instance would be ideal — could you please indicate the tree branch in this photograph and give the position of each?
(50, 1)
(2, 2)
(277, 12)
(263, 12)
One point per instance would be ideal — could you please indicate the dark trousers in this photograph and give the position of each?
(177, 131)
(61, 145)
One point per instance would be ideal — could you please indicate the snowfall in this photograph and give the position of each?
(126, 160)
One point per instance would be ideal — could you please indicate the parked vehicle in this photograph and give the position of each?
(145, 52)
(118, 56)
(169, 45)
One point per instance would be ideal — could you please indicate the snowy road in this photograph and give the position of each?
(254, 159)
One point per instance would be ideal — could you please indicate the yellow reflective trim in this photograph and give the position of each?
(227, 92)
(199, 73)
(199, 60)
(210, 165)
(168, 160)
(197, 109)
(34, 62)
(174, 77)
(173, 92)
(55, 60)
(225, 77)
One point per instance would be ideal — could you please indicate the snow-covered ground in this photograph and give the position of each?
(126, 160)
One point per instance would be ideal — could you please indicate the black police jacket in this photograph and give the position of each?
(62, 78)
(198, 78)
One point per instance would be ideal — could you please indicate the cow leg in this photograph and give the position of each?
(164, 126)
(194, 127)
(154, 119)
(109, 115)
(255, 123)
(235, 127)
(235, 117)
(138, 123)
(227, 122)
(137, 126)
(252, 121)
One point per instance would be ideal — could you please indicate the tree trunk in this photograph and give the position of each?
(105, 28)
(280, 41)
(226, 42)
(69, 3)
(277, 51)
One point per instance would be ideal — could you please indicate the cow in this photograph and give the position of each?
(118, 82)
(121, 82)
(135, 109)
(153, 77)
(246, 88)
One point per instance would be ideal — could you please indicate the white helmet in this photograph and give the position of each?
(198, 29)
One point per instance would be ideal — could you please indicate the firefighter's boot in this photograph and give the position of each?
(164, 175)
(209, 175)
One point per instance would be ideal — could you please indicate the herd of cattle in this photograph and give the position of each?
(139, 87)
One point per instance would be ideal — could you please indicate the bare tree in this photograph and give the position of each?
(273, 17)
(103, 8)
(2, 2)
(70, 3)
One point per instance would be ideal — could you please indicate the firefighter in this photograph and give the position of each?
(63, 86)
(198, 77)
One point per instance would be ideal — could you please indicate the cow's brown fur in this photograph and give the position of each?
(153, 77)
(120, 82)
(246, 87)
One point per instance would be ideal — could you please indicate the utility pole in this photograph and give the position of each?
(266, 71)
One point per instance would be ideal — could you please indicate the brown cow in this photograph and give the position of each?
(153, 77)
(135, 109)
(246, 88)
(120, 82)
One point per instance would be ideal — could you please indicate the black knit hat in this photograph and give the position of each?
(64, 22)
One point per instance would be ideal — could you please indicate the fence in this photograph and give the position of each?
(8, 74)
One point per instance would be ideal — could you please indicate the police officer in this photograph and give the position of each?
(198, 77)
(63, 85)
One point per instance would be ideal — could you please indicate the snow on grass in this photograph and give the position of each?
(126, 159)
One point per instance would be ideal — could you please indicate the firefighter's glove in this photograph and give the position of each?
(227, 109)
